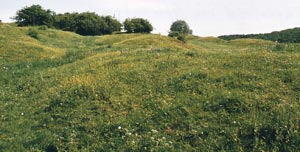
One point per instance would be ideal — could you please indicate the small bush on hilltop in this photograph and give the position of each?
(33, 33)
(180, 29)
(87, 23)
(43, 27)
(137, 25)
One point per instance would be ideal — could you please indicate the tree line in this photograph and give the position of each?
(90, 23)
(86, 23)
(284, 36)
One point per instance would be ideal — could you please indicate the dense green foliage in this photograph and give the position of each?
(137, 25)
(34, 15)
(142, 92)
(180, 29)
(66, 21)
(180, 26)
(87, 23)
(33, 33)
(285, 36)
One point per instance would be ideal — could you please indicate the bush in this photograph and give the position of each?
(180, 29)
(278, 47)
(34, 15)
(43, 27)
(137, 25)
(33, 33)
(111, 25)
(180, 26)
(87, 23)
(182, 37)
(179, 36)
(66, 21)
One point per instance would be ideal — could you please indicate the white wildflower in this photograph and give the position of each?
(154, 131)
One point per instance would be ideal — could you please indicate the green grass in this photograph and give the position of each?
(61, 91)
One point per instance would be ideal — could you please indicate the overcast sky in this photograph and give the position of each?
(205, 17)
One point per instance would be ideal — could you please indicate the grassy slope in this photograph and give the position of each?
(146, 92)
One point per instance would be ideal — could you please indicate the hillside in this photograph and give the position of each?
(284, 36)
(136, 92)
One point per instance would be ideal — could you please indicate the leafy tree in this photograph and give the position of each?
(66, 21)
(137, 25)
(128, 26)
(87, 23)
(180, 26)
(34, 15)
(111, 25)
(180, 29)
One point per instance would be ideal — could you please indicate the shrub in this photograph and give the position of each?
(137, 25)
(180, 29)
(179, 36)
(180, 26)
(34, 15)
(87, 23)
(33, 33)
(43, 27)
(278, 47)
(182, 37)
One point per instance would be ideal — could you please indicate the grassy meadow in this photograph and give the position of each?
(145, 92)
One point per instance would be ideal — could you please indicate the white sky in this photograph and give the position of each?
(205, 17)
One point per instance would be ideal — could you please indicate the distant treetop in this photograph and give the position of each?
(180, 26)
(137, 25)
(34, 15)
(86, 23)
(284, 36)
(180, 29)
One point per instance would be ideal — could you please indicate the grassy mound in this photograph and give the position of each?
(146, 93)
(16, 45)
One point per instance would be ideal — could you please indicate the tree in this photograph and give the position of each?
(180, 29)
(180, 26)
(111, 25)
(66, 21)
(87, 23)
(137, 25)
(34, 15)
